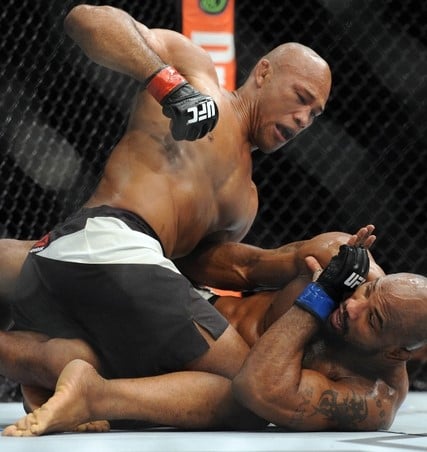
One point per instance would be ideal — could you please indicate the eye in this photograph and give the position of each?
(301, 98)
(371, 320)
(367, 289)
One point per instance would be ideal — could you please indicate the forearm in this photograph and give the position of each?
(273, 382)
(268, 382)
(112, 38)
(238, 266)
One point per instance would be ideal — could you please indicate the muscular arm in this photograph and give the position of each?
(273, 384)
(112, 38)
(237, 266)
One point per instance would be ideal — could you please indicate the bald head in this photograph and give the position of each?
(408, 286)
(297, 62)
(301, 58)
(285, 91)
(407, 293)
(293, 50)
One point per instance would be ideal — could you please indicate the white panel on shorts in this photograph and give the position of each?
(107, 240)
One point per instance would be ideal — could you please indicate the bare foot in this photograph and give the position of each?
(67, 409)
(93, 427)
(34, 397)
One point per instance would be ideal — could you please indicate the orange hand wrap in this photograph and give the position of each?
(164, 81)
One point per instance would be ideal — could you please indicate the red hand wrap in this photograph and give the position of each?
(164, 82)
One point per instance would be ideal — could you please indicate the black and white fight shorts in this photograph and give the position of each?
(101, 276)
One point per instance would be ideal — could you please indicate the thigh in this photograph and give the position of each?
(12, 255)
(59, 352)
(36, 360)
(225, 355)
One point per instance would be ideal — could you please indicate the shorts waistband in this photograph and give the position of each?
(77, 220)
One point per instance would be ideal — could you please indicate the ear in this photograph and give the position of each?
(263, 68)
(398, 354)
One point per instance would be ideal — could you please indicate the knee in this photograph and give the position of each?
(69, 349)
(225, 355)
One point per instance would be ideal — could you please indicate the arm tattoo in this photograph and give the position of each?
(346, 412)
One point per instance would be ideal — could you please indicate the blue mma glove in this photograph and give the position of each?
(346, 271)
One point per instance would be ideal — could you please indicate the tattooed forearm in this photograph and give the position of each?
(300, 414)
(346, 412)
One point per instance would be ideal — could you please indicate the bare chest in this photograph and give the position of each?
(187, 191)
(247, 315)
(215, 213)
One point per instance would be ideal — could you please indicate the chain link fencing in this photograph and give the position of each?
(364, 161)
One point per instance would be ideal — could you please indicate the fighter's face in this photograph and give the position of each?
(289, 103)
(372, 318)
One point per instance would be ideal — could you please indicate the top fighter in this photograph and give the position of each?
(172, 189)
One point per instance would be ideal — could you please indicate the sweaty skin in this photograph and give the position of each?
(348, 373)
(82, 395)
(202, 191)
(200, 199)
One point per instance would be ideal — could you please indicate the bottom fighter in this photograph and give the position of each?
(315, 365)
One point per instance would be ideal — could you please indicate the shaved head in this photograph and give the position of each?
(302, 59)
(285, 91)
(293, 50)
(408, 293)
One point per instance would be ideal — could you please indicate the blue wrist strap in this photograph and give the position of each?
(316, 301)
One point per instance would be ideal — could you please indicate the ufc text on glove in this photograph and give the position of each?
(346, 271)
(192, 113)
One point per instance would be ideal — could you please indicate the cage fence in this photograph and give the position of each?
(363, 161)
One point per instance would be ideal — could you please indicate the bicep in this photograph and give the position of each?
(324, 404)
(223, 265)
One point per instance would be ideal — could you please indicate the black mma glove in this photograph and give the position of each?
(192, 114)
(346, 271)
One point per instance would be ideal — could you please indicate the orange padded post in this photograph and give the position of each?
(210, 24)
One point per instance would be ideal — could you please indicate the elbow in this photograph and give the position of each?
(241, 390)
(384, 423)
(251, 394)
(75, 19)
(75, 16)
(269, 400)
(82, 20)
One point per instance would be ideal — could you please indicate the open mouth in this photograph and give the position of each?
(286, 132)
(338, 320)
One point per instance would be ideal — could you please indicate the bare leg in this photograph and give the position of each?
(12, 256)
(82, 395)
(192, 399)
(35, 397)
(35, 360)
(72, 383)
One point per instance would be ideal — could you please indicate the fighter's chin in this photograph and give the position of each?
(332, 335)
(272, 148)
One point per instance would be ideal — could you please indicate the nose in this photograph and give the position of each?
(355, 308)
(303, 118)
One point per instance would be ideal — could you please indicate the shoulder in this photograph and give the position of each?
(191, 60)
